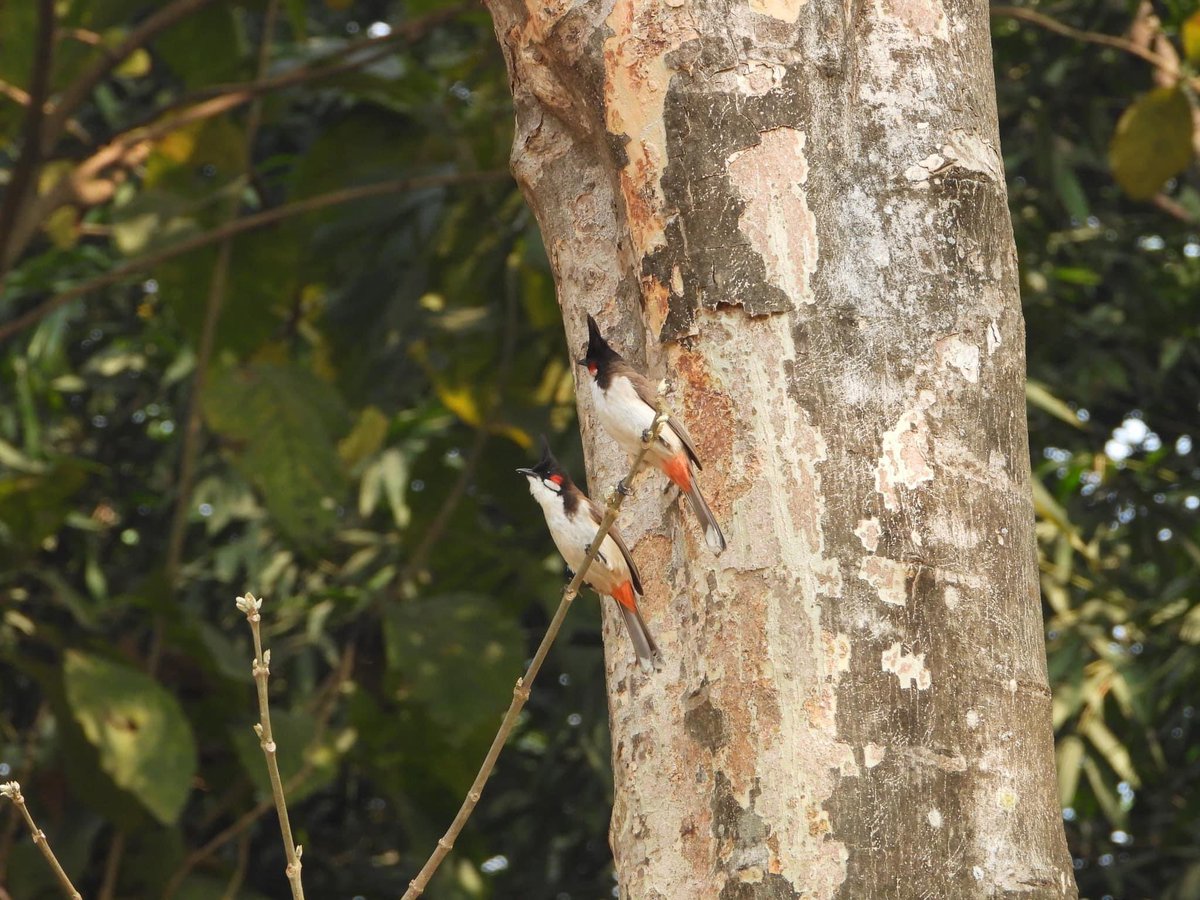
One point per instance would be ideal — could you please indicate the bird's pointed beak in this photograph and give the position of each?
(528, 473)
(581, 362)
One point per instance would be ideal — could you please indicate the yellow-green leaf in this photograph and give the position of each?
(1111, 748)
(1070, 758)
(365, 438)
(1037, 394)
(1153, 142)
(135, 65)
(144, 740)
(1191, 38)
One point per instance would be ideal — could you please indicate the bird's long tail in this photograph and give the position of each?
(679, 470)
(639, 634)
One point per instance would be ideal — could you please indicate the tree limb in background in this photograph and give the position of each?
(262, 671)
(525, 683)
(22, 175)
(80, 89)
(1091, 37)
(12, 790)
(87, 185)
(246, 223)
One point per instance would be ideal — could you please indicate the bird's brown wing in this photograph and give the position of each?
(647, 395)
(613, 533)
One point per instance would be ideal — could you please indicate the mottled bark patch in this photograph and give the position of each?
(725, 252)
(781, 228)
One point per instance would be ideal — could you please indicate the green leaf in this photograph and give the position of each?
(1070, 760)
(32, 507)
(365, 439)
(284, 421)
(144, 741)
(457, 655)
(1037, 394)
(1153, 142)
(394, 468)
(1111, 748)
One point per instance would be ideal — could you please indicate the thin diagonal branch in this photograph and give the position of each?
(1090, 37)
(22, 176)
(246, 223)
(12, 790)
(81, 88)
(262, 671)
(525, 683)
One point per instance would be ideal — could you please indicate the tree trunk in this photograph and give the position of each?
(796, 211)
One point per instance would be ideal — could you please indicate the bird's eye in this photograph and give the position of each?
(557, 479)
(593, 368)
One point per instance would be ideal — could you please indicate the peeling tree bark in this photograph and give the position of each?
(797, 209)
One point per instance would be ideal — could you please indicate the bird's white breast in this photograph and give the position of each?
(573, 536)
(626, 416)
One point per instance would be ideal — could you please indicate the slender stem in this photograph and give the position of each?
(262, 672)
(239, 871)
(12, 790)
(1090, 37)
(22, 176)
(246, 223)
(525, 683)
(112, 867)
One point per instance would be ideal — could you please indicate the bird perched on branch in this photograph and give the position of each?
(573, 521)
(625, 405)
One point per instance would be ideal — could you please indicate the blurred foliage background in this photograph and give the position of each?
(326, 408)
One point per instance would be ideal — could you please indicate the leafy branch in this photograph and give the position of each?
(250, 606)
(90, 183)
(237, 226)
(525, 683)
(12, 790)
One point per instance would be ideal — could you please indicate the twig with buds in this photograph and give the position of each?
(12, 790)
(525, 683)
(261, 669)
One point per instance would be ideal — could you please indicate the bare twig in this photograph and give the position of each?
(112, 867)
(12, 790)
(246, 223)
(239, 870)
(22, 177)
(325, 705)
(1091, 37)
(81, 88)
(262, 671)
(525, 683)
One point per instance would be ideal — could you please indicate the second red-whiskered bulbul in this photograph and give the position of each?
(573, 521)
(624, 402)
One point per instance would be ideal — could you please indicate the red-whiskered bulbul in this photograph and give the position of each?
(573, 521)
(624, 402)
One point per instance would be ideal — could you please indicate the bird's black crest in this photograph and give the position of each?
(598, 349)
(548, 465)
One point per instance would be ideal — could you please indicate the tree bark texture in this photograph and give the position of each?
(796, 211)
